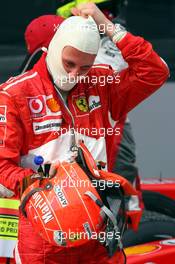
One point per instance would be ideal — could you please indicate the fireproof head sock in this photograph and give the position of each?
(77, 32)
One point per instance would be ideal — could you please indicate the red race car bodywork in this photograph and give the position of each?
(158, 252)
(164, 186)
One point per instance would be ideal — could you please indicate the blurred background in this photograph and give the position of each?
(152, 121)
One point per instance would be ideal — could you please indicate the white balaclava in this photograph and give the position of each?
(77, 32)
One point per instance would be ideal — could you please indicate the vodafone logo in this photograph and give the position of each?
(36, 106)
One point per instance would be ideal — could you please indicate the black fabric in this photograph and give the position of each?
(126, 158)
(113, 197)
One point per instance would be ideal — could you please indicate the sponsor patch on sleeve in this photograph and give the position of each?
(37, 106)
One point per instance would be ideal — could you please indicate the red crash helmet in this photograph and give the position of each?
(67, 209)
(62, 209)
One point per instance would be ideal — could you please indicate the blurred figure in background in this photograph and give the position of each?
(124, 158)
(38, 35)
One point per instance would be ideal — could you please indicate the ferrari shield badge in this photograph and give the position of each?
(82, 104)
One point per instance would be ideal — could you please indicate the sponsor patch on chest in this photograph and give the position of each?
(94, 102)
(46, 126)
(45, 113)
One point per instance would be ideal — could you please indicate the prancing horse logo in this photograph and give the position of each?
(82, 104)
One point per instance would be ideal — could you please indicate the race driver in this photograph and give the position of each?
(38, 34)
(35, 121)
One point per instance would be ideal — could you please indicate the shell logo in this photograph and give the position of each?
(141, 249)
(53, 105)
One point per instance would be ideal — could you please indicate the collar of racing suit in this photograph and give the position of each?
(41, 68)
